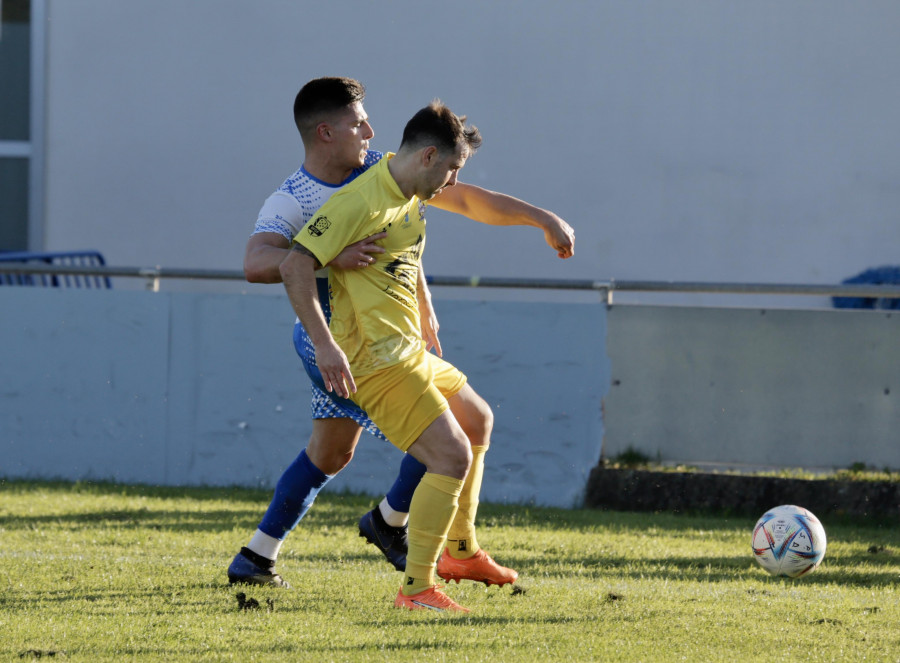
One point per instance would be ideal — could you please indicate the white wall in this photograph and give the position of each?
(693, 140)
(754, 388)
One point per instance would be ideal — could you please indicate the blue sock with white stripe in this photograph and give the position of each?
(295, 493)
(401, 493)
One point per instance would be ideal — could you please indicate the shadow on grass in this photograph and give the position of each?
(336, 510)
(232, 493)
(331, 510)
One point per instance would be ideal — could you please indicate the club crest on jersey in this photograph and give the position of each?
(318, 226)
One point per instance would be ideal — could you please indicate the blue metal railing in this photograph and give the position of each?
(22, 273)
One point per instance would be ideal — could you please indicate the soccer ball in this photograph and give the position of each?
(788, 541)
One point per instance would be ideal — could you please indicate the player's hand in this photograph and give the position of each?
(560, 236)
(430, 327)
(335, 370)
(359, 255)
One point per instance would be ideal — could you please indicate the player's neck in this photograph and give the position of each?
(326, 169)
(400, 169)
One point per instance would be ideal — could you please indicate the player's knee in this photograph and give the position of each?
(336, 462)
(487, 420)
(328, 459)
(459, 460)
(480, 423)
(453, 458)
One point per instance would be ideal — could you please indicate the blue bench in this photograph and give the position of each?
(62, 258)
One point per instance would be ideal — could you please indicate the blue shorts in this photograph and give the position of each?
(326, 405)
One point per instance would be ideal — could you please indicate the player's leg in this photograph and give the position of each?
(445, 451)
(330, 448)
(477, 420)
(395, 505)
(385, 526)
(464, 559)
(427, 430)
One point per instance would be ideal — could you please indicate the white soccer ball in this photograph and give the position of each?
(788, 541)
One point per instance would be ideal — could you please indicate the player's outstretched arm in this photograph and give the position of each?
(266, 251)
(298, 272)
(499, 209)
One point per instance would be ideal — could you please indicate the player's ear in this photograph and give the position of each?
(323, 131)
(429, 155)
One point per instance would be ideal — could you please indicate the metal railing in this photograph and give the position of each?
(153, 275)
(45, 279)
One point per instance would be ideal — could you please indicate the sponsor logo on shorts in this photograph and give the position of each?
(318, 226)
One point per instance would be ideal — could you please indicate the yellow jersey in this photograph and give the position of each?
(374, 310)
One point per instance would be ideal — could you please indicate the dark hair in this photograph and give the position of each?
(437, 125)
(322, 97)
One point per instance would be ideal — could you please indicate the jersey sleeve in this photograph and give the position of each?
(339, 222)
(280, 214)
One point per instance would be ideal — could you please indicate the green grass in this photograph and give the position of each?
(115, 573)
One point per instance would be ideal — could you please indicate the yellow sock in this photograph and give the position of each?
(461, 541)
(432, 509)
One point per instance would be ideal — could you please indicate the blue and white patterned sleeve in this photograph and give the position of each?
(280, 214)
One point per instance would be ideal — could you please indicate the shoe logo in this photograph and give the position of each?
(430, 607)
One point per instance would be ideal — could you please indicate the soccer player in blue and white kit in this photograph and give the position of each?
(335, 132)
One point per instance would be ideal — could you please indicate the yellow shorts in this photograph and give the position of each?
(404, 399)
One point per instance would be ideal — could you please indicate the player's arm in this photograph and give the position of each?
(499, 209)
(264, 254)
(298, 273)
(427, 316)
(267, 250)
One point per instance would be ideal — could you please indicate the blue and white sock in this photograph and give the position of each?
(295, 493)
(395, 505)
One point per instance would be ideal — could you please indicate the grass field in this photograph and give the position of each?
(93, 572)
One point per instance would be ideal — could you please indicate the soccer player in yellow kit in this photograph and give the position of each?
(374, 351)
(336, 132)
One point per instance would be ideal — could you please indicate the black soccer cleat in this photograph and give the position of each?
(245, 571)
(393, 542)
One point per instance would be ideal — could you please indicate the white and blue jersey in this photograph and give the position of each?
(285, 212)
(291, 207)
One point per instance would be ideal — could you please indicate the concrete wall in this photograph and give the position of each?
(744, 387)
(197, 388)
(692, 140)
(193, 389)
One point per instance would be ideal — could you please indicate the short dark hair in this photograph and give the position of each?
(322, 97)
(437, 125)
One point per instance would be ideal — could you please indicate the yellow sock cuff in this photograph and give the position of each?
(443, 483)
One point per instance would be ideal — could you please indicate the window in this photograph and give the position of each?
(21, 124)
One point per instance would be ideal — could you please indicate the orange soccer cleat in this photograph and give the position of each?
(430, 599)
(480, 568)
